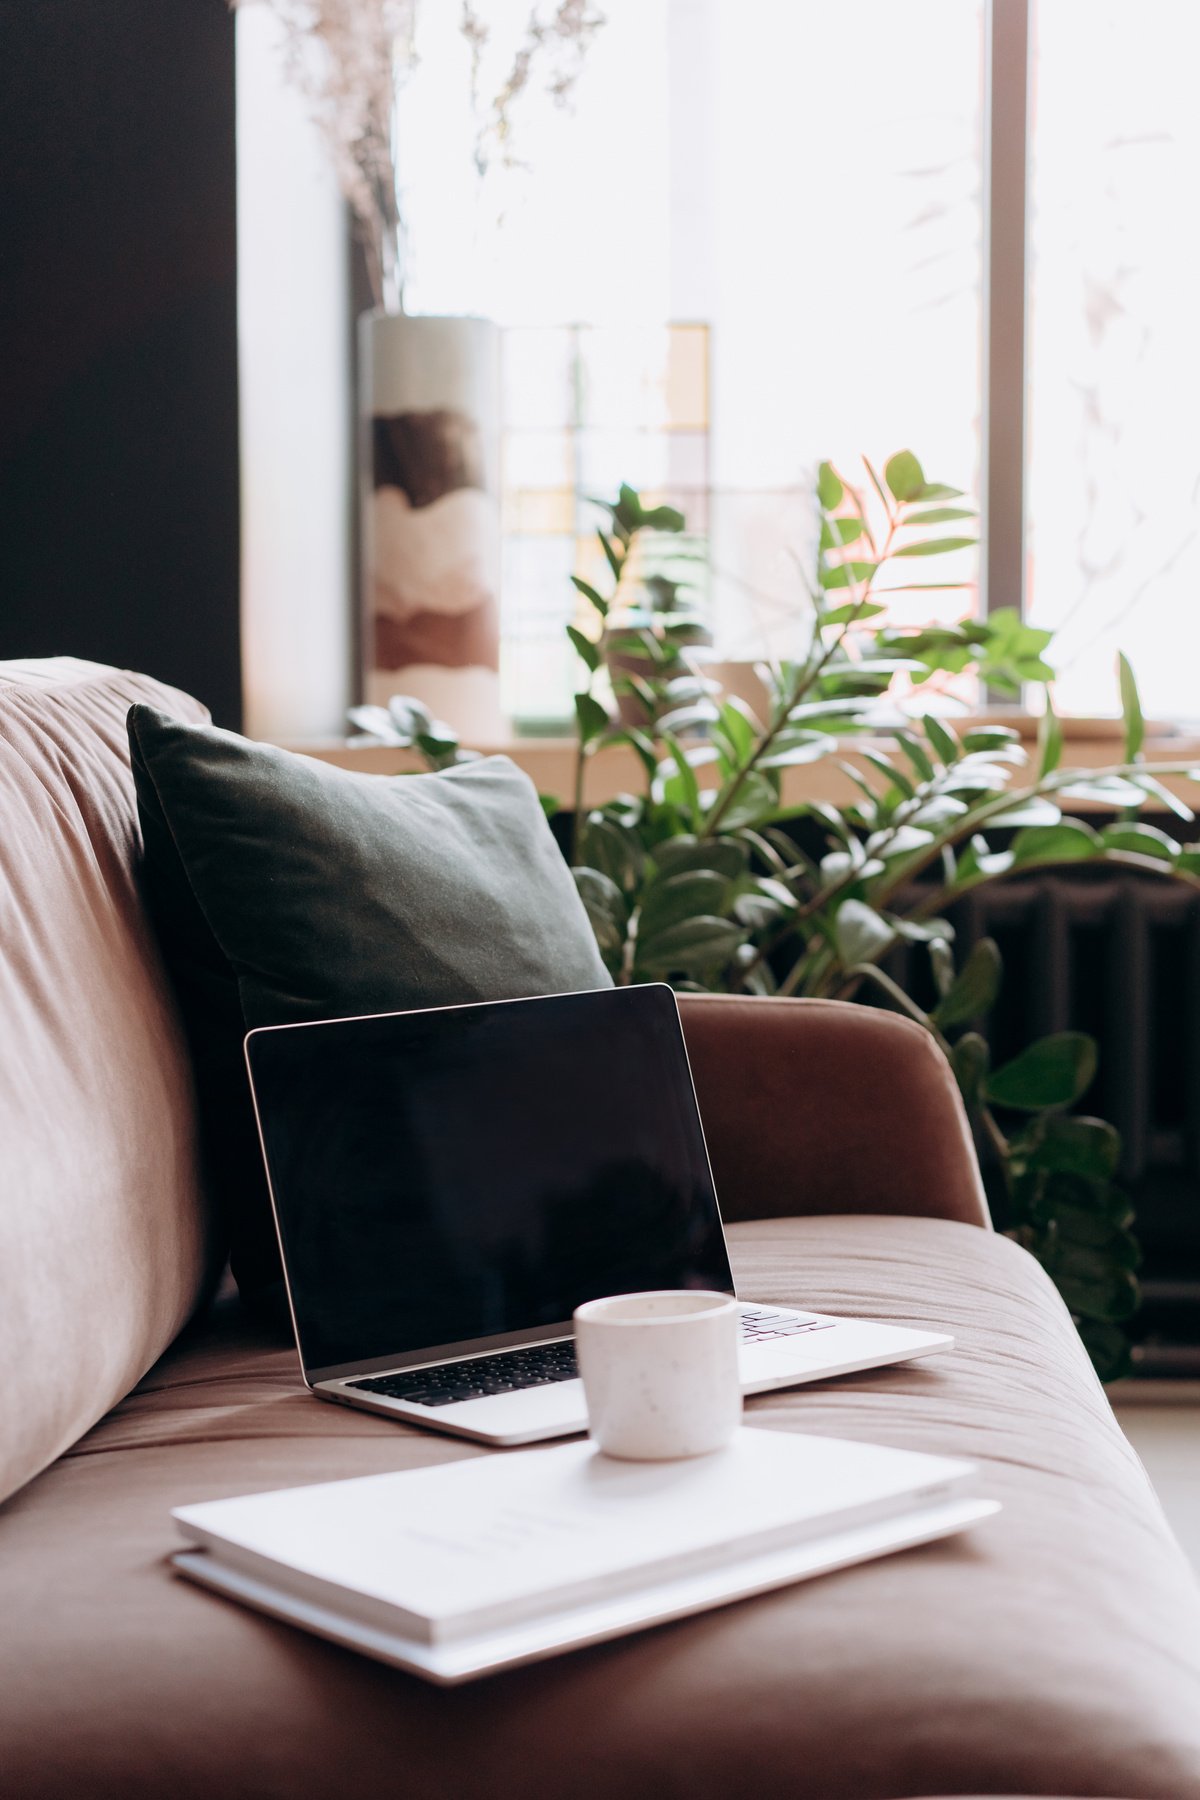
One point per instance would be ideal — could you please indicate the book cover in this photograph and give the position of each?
(442, 1553)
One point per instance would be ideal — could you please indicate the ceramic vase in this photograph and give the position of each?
(430, 423)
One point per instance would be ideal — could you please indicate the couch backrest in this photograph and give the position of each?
(105, 1242)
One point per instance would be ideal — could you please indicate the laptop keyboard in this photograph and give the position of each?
(540, 1365)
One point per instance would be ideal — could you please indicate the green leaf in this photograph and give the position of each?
(629, 506)
(585, 647)
(692, 947)
(681, 788)
(756, 801)
(1108, 790)
(605, 908)
(844, 615)
(1051, 1073)
(935, 546)
(725, 855)
(846, 573)
(1108, 1348)
(904, 475)
(739, 726)
(1068, 841)
(439, 748)
(599, 892)
(763, 903)
(991, 738)
(689, 895)
(613, 557)
(937, 490)
(408, 717)
(1076, 1225)
(615, 850)
(684, 718)
(1087, 1147)
(664, 518)
(1050, 740)
(1131, 707)
(1150, 785)
(978, 775)
(969, 1060)
(837, 533)
(589, 593)
(941, 962)
(1143, 840)
(914, 749)
(980, 863)
(940, 515)
(944, 742)
(830, 491)
(1035, 811)
(893, 775)
(811, 747)
(941, 809)
(1112, 1298)
(861, 934)
(902, 840)
(590, 717)
(975, 989)
(922, 931)
(811, 712)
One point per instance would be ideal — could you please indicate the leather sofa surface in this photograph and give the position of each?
(106, 1241)
(1054, 1650)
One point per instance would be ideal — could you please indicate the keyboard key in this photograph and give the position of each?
(473, 1378)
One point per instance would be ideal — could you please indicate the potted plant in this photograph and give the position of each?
(710, 878)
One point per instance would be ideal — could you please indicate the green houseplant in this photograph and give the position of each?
(705, 884)
(709, 878)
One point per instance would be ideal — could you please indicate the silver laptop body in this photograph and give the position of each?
(449, 1184)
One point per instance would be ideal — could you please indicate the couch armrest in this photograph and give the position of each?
(819, 1106)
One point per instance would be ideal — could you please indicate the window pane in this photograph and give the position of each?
(805, 182)
(1114, 473)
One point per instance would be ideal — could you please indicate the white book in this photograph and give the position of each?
(483, 1562)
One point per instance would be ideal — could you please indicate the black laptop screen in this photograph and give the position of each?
(453, 1175)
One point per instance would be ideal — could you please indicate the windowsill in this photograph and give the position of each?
(550, 765)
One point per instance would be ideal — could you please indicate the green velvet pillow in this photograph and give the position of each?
(284, 889)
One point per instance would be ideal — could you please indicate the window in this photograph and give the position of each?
(842, 198)
(806, 182)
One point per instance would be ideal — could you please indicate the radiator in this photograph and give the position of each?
(1115, 954)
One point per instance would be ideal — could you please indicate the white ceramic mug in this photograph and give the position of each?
(660, 1372)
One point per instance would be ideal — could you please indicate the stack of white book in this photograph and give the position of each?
(466, 1567)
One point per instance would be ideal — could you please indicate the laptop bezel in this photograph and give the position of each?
(466, 1347)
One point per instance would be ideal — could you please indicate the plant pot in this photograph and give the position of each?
(430, 424)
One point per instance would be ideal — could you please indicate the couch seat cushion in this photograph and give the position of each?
(1053, 1651)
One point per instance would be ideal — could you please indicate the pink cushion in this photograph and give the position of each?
(104, 1241)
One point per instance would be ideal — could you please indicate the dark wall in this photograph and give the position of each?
(118, 339)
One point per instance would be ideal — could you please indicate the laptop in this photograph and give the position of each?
(449, 1185)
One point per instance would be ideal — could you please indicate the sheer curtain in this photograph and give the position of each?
(1114, 467)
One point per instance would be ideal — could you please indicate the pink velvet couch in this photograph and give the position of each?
(1054, 1651)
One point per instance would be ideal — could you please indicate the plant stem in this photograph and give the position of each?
(810, 673)
(577, 803)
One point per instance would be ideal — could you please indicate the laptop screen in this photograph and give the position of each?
(469, 1172)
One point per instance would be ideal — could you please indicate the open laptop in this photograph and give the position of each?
(448, 1185)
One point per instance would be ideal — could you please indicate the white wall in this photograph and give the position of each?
(293, 335)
